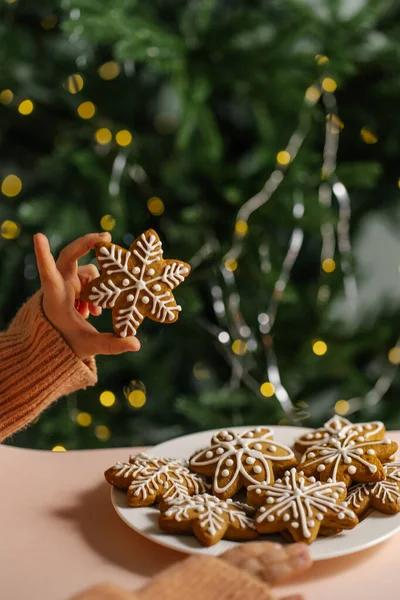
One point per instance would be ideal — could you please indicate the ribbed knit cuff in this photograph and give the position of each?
(37, 367)
(204, 578)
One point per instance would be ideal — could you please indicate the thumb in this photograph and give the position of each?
(108, 343)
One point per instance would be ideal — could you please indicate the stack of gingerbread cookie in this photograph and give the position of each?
(330, 479)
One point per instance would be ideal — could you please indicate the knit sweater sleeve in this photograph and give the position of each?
(37, 366)
(197, 578)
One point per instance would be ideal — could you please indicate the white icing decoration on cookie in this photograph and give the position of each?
(229, 462)
(246, 450)
(298, 499)
(352, 469)
(211, 512)
(387, 491)
(370, 452)
(339, 426)
(343, 449)
(114, 260)
(145, 299)
(130, 297)
(209, 454)
(150, 272)
(225, 473)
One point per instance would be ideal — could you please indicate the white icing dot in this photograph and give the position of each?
(157, 287)
(201, 509)
(219, 451)
(311, 523)
(250, 434)
(125, 282)
(286, 517)
(250, 460)
(386, 441)
(150, 272)
(270, 518)
(272, 448)
(104, 250)
(278, 481)
(257, 447)
(257, 469)
(184, 270)
(258, 490)
(329, 480)
(312, 479)
(136, 270)
(145, 299)
(209, 454)
(294, 524)
(321, 468)
(229, 438)
(371, 452)
(270, 500)
(311, 455)
(318, 436)
(258, 430)
(358, 451)
(347, 460)
(319, 516)
(341, 516)
(223, 433)
(309, 436)
(130, 297)
(225, 473)
(373, 468)
(360, 438)
(335, 495)
(229, 462)
(263, 509)
(351, 469)
(368, 426)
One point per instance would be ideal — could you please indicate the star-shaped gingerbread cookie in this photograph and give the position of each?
(136, 283)
(149, 479)
(208, 518)
(348, 457)
(384, 495)
(335, 426)
(298, 505)
(236, 460)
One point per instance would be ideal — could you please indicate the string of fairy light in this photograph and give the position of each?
(237, 339)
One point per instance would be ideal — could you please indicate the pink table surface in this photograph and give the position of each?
(59, 534)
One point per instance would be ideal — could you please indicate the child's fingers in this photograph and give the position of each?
(95, 311)
(50, 278)
(108, 343)
(87, 273)
(66, 262)
(83, 309)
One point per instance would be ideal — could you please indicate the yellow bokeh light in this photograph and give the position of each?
(312, 94)
(11, 186)
(368, 136)
(107, 222)
(267, 389)
(231, 264)
(86, 110)
(84, 419)
(342, 407)
(109, 70)
(398, 183)
(107, 398)
(283, 157)
(241, 227)
(155, 206)
(137, 398)
(74, 83)
(58, 448)
(123, 137)
(103, 135)
(328, 84)
(49, 22)
(239, 347)
(321, 59)
(6, 96)
(102, 433)
(25, 107)
(9, 230)
(328, 265)
(394, 355)
(319, 348)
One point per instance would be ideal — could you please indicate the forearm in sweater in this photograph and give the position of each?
(36, 367)
(195, 578)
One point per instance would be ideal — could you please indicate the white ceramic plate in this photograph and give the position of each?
(373, 530)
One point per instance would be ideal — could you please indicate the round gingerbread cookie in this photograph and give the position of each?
(148, 479)
(348, 457)
(298, 506)
(136, 283)
(236, 460)
(374, 430)
(208, 518)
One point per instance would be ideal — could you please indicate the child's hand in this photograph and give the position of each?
(62, 283)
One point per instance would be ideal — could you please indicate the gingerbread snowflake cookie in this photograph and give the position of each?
(338, 426)
(237, 460)
(349, 457)
(208, 518)
(148, 480)
(384, 495)
(136, 283)
(298, 506)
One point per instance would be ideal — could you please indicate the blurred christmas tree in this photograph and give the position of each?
(173, 115)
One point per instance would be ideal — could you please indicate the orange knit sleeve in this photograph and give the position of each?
(36, 367)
